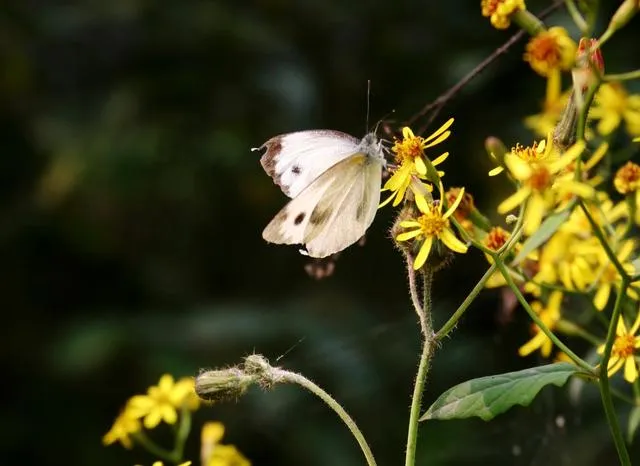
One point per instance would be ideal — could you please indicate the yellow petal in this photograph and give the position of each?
(421, 168)
(421, 258)
(387, 200)
(514, 200)
(630, 370)
(496, 171)
(452, 242)
(439, 139)
(518, 167)
(440, 130)
(533, 215)
(440, 159)
(422, 204)
(455, 204)
(407, 235)
(409, 224)
(536, 342)
(601, 298)
(407, 133)
(212, 432)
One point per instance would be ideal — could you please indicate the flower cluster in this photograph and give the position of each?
(579, 240)
(171, 402)
(424, 223)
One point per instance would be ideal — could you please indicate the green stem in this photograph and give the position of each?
(182, 434)
(576, 16)
(574, 357)
(569, 328)
(605, 387)
(603, 241)
(622, 76)
(152, 447)
(453, 320)
(415, 298)
(299, 379)
(423, 369)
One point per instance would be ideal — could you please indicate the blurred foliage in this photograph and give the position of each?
(132, 209)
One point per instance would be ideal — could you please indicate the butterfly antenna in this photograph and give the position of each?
(290, 349)
(366, 129)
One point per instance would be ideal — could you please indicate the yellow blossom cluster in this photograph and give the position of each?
(171, 402)
(412, 178)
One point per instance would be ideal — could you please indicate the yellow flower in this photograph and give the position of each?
(568, 259)
(607, 276)
(623, 351)
(627, 179)
(550, 51)
(500, 11)
(162, 401)
(160, 463)
(612, 106)
(213, 453)
(409, 158)
(545, 122)
(432, 224)
(122, 428)
(536, 168)
(550, 316)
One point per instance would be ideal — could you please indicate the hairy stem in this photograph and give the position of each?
(292, 377)
(428, 345)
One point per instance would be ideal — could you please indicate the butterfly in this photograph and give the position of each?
(333, 180)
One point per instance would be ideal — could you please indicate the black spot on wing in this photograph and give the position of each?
(299, 218)
(296, 170)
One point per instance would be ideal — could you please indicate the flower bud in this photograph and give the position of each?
(623, 15)
(223, 384)
(496, 150)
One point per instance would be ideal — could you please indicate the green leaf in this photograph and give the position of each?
(634, 422)
(487, 397)
(542, 234)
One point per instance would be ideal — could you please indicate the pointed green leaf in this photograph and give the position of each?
(487, 397)
(634, 422)
(542, 234)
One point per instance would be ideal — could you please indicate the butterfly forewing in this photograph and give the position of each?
(295, 160)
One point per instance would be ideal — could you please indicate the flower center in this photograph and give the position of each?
(544, 48)
(408, 149)
(432, 223)
(540, 178)
(489, 7)
(496, 238)
(627, 180)
(624, 346)
(531, 153)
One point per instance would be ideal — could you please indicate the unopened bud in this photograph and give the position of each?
(223, 384)
(589, 65)
(623, 15)
(496, 150)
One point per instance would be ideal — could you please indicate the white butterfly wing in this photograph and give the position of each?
(334, 211)
(295, 160)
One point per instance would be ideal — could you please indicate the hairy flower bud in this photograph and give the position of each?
(223, 384)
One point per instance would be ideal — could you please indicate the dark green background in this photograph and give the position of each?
(140, 251)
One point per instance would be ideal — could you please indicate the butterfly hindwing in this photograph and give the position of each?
(334, 211)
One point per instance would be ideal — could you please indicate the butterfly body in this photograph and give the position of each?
(334, 182)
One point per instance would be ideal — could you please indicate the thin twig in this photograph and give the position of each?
(437, 105)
